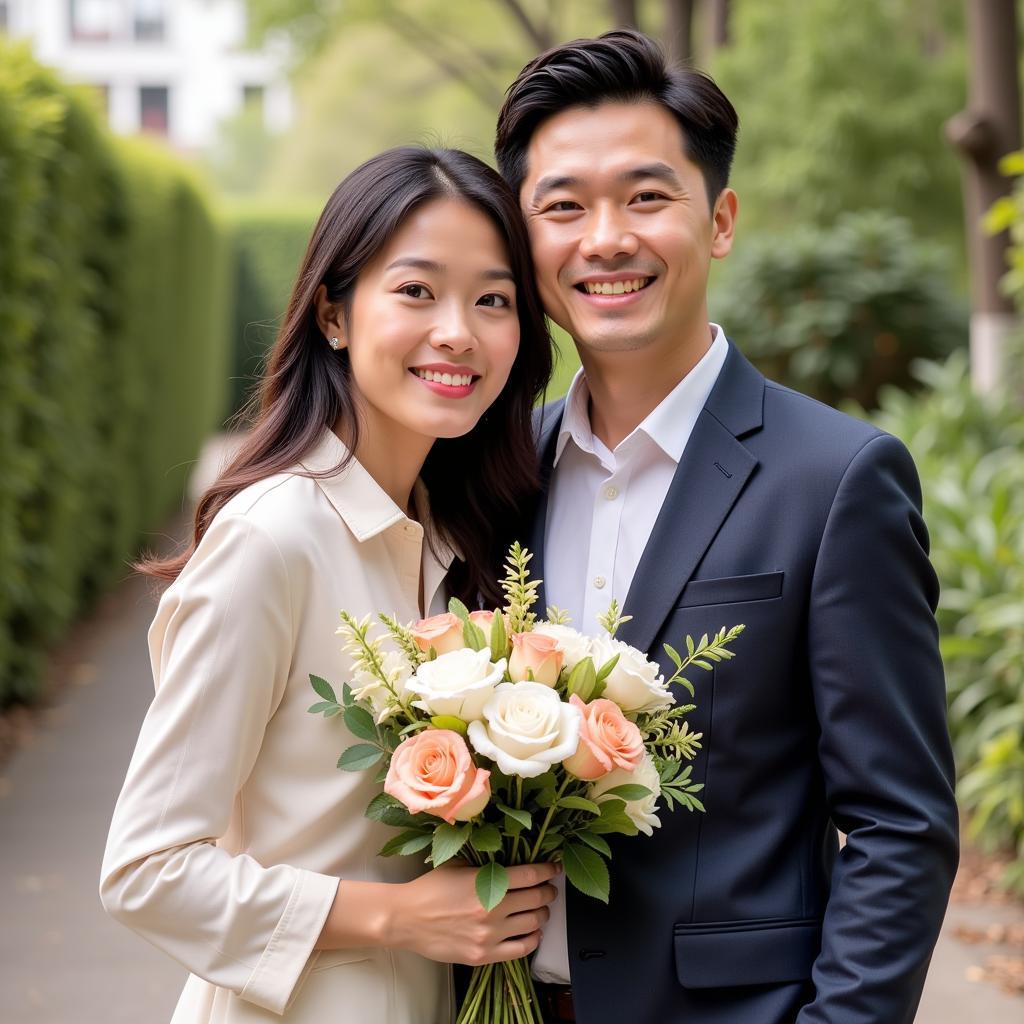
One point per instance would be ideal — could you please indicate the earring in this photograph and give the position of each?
(335, 344)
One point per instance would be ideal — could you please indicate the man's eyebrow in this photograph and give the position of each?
(657, 170)
(551, 183)
(432, 267)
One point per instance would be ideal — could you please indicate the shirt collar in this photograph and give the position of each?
(362, 503)
(680, 407)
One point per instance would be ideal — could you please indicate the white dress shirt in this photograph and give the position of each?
(602, 506)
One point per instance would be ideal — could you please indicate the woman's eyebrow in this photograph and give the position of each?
(433, 267)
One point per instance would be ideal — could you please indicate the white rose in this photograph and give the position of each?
(458, 683)
(366, 686)
(526, 729)
(635, 684)
(572, 643)
(641, 812)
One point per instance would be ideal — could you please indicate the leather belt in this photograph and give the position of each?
(556, 1002)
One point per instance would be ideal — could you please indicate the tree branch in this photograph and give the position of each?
(624, 13)
(539, 34)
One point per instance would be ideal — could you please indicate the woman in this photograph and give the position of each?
(411, 354)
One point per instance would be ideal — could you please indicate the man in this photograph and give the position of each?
(680, 480)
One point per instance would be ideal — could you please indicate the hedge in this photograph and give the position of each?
(114, 294)
(268, 241)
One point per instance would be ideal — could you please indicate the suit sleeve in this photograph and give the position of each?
(884, 745)
(221, 646)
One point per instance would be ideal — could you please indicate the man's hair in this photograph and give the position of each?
(621, 66)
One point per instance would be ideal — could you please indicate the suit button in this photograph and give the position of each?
(591, 954)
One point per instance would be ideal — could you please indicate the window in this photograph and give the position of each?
(93, 20)
(154, 101)
(252, 98)
(150, 20)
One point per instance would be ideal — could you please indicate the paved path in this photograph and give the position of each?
(62, 961)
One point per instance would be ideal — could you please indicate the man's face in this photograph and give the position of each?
(620, 225)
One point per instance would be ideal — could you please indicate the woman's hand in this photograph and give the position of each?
(439, 915)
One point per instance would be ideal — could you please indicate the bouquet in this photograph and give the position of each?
(502, 739)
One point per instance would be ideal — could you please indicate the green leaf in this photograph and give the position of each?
(579, 803)
(674, 655)
(516, 814)
(1012, 164)
(499, 637)
(491, 885)
(613, 819)
(360, 722)
(448, 840)
(382, 805)
(359, 757)
(346, 695)
(410, 841)
(323, 688)
(595, 842)
(605, 670)
(321, 705)
(486, 839)
(472, 634)
(586, 870)
(450, 722)
(628, 791)
(582, 680)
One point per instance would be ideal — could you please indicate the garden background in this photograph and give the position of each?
(139, 290)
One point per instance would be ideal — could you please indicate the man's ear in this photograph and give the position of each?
(330, 317)
(726, 209)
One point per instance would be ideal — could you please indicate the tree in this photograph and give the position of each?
(832, 119)
(986, 131)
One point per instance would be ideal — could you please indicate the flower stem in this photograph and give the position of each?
(547, 818)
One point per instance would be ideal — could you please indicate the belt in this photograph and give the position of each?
(555, 1002)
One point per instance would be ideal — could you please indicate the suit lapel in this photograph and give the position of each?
(547, 422)
(712, 473)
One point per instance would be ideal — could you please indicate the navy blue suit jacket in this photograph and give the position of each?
(805, 525)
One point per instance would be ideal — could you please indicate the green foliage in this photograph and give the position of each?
(836, 313)
(843, 109)
(112, 306)
(269, 240)
(969, 450)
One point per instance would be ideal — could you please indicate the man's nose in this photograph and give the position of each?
(607, 235)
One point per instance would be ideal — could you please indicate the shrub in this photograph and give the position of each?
(112, 304)
(268, 242)
(837, 313)
(969, 451)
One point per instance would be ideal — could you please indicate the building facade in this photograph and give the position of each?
(174, 68)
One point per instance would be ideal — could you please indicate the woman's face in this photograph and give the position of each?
(432, 329)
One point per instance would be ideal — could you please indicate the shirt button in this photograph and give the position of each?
(611, 493)
(599, 582)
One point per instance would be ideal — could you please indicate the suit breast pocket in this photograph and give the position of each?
(765, 586)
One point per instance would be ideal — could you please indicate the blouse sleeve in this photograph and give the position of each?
(221, 645)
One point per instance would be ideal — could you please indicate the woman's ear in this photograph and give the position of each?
(330, 318)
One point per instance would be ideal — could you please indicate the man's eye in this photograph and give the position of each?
(415, 291)
(649, 197)
(563, 206)
(494, 300)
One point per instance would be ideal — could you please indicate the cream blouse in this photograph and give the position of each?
(234, 825)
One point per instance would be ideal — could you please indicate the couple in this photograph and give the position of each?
(393, 460)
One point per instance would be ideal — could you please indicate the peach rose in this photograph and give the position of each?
(432, 771)
(442, 632)
(608, 740)
(483, 619)
(538, 654)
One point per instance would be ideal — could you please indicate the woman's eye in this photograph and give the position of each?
(415, 291)
(494, 300)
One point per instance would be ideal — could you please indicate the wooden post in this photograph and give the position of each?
(988, 129)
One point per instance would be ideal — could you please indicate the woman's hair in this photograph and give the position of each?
(480, 484)
(618, 67)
